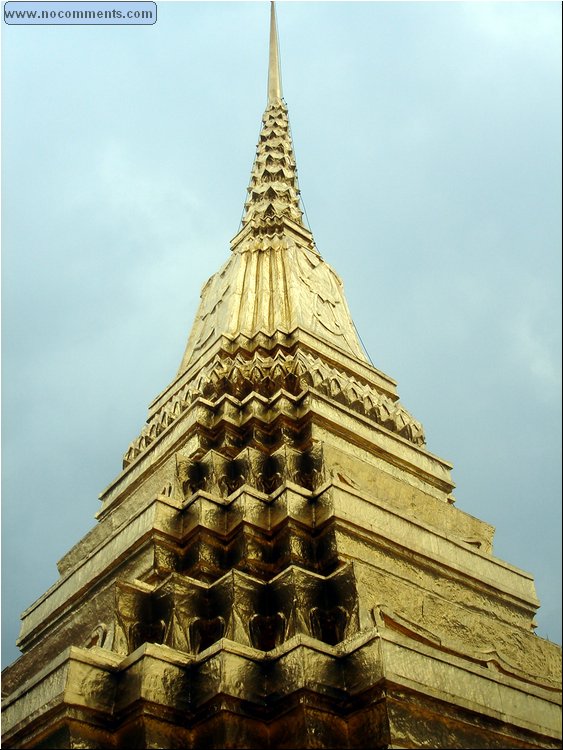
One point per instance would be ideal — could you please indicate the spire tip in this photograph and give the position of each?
(274, 75)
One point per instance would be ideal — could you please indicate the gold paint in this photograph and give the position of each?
(280, 563)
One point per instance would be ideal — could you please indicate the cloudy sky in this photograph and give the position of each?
(427, 138)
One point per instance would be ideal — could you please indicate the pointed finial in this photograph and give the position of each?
(274, 75)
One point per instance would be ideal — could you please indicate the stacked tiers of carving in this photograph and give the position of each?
(252, 588)
(273, 193)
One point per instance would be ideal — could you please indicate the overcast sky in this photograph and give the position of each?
(427, 138)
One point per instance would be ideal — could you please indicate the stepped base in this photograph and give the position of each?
(381, 688)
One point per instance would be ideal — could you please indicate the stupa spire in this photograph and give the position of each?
(274, 74)
(273, 192)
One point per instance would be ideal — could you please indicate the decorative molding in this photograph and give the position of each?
(239, 376)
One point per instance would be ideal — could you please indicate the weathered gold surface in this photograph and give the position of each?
(280, 563)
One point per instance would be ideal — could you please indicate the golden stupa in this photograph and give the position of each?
(280, 563)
